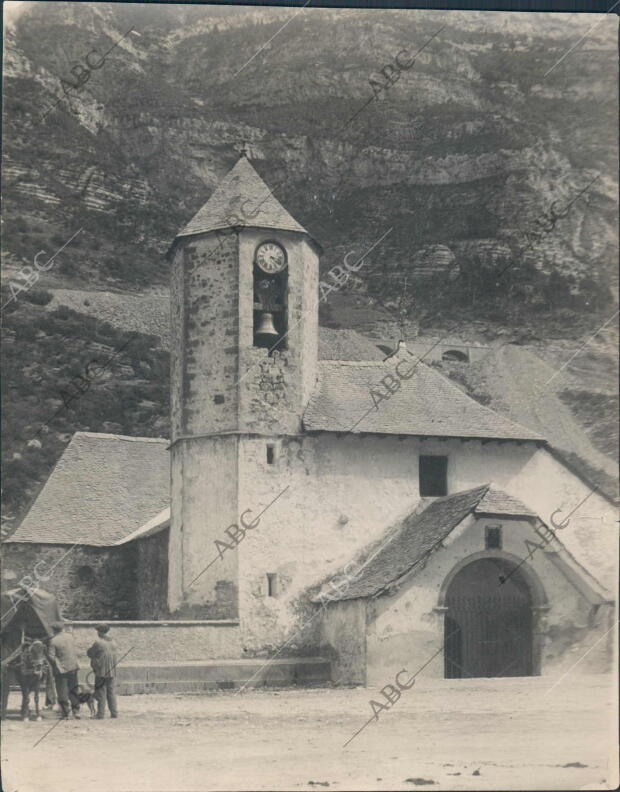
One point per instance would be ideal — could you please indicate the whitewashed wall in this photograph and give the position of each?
(373, 482)
(407, 629)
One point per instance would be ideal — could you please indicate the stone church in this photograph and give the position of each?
(316, 499)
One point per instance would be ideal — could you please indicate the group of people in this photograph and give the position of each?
(63, 659)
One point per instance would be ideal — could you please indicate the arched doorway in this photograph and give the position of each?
(488, 624)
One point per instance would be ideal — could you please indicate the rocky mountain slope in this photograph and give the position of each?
(465, 150)
(485, 134)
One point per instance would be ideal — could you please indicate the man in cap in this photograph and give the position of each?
(103, 662)
(63, 657)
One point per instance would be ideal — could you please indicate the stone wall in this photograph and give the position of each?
(434, 352)
(204, 400)
(205, 335)
(159, 641)
(343, 641)
(203, 575)
(274, 390)
(152, 577)
(128, 582)
(219, 380)
(89, 582)
(222, 384)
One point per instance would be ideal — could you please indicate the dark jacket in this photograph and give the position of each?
(103, 657)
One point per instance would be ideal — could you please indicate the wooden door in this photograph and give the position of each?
(488, 626)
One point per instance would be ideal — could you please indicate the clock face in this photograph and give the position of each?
(270, 257)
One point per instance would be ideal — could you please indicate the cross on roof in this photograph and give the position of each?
(243, 149)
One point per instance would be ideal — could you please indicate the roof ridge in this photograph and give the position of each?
(512, 500)
(533, 432)
(486, 487)
(130, 438)
(148, 528)
(352, 362)
(376, 574)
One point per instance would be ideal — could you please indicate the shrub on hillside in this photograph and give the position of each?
(26, 332)
(38, 296)
(69, 268)
(62, 312)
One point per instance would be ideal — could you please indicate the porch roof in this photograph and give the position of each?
(420, 533)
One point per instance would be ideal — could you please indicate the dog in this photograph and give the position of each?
(86, 696)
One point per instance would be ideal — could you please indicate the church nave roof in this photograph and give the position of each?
(427, 404)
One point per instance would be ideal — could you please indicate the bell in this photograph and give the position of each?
(266, 326)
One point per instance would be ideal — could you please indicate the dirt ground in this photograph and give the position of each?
(478, 734)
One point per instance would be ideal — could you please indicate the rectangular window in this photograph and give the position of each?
(272, 584)
(433, 476)
(271, 454)
(493, 537)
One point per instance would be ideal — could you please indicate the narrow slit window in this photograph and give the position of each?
(433, 476)
(271, 454)
(272, 584)
(493, 537)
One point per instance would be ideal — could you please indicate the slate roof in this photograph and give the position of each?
(420, 533)
(427, 404)
(344, 344)
(497, 502)
(241, 199)
(103, 488)
(153, 526)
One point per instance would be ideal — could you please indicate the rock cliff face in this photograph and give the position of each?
(471, 142)
(493, 128)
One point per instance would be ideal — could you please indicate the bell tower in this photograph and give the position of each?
(244, 318)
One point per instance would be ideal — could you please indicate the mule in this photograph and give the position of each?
(32, 669)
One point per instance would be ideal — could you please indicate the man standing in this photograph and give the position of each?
(63, 658)
(103, 662)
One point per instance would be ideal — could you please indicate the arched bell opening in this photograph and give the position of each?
(492, 607)
(270, 277)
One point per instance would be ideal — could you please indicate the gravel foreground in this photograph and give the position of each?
(478, 734)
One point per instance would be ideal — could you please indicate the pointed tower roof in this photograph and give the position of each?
(241, 199)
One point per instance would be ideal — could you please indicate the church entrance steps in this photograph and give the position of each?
(200, 675)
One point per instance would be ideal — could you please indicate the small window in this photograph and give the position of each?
(271, 454)
(493, 537)
(218, 399)
(272, 584)
(433, 476)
